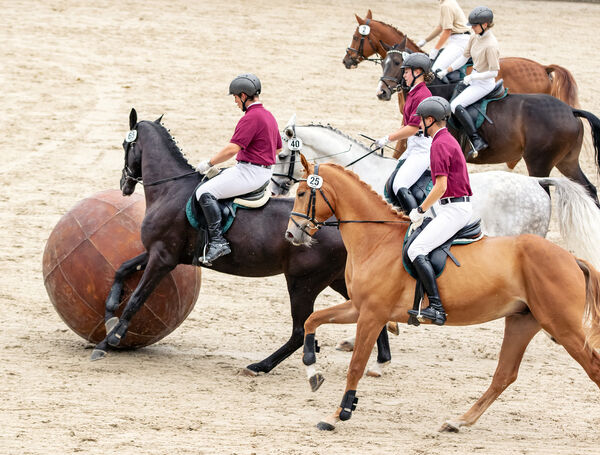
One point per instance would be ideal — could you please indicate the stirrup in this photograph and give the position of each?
(435, 316)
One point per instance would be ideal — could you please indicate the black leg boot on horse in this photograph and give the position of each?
(435, 311)
(467, 122)
(406, 200)
(218, 245)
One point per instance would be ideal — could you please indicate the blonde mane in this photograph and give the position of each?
(369, 188)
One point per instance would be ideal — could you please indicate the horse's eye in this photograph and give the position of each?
(301, 194)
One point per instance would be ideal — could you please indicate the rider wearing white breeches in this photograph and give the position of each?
(483, 48)
(454, 35)
(417, 68)
(450, 199)
(256, 142)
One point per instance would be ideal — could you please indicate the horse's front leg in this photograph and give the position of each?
(344, 313)
(154, 272)
(113, 301)
(367, 330)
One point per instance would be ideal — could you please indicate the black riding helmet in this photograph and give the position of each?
(416, 60)
(480, 15)
(246, 83)
(436, 107)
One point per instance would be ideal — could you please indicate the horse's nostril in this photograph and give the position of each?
(289, 235)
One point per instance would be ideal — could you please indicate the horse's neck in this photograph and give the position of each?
(391, 35)
(363, 205)
(328, 146)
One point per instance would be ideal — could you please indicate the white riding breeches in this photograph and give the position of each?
(474, 92)
(416, 162)
(454, 48)
(449, 219)
(235, 181)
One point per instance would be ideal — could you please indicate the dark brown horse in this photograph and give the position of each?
(257, 242)
(541, 129)
(521, 75)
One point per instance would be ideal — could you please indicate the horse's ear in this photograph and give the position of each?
(403, 43)
(292, 121)
(159, 119)
(132, 118)
(385, 46)
(369, 15)
(359, 20)
(307, 166)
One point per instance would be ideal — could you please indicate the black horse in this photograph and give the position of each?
(539, 128)
(258, 245)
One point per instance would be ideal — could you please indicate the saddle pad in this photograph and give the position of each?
(478, 109)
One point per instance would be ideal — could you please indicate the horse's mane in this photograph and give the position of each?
(338, 132)
(408, 40)
(171, 143)
(370, 189)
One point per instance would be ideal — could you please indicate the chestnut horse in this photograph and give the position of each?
(539, 128)
(526, 279)
(521, 75)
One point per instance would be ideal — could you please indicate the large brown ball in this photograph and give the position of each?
(87, 246)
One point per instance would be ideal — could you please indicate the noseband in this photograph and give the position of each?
(365, 33)
(397, 80)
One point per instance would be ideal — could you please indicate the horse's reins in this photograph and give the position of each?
(315, 183)
(130, 175)
(365, 32)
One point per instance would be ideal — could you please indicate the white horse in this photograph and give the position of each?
(508, 203)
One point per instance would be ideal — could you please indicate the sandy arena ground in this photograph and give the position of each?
(72, 70)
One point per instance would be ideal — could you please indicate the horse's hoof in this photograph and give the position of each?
(324, 426)
(374, 373)
(315, 381)
(449, 427)
(97, 354)
(248, 372)
(110, 324)
(346, 346)
(393, 327)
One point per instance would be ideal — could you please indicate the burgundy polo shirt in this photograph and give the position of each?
(258, 136)
(418, 93)
(447, 159)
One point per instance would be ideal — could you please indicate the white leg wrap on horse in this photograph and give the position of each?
(311, 370)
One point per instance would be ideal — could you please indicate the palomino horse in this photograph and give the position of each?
(256, 237)
(541, 129)
(508, 203)
(521, 75)
(531, 282)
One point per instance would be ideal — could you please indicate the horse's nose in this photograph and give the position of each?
(289, 235)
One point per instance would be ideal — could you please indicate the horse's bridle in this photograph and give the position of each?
(290, 173)
(310, 214)
(360, 56)
(128, 174)
(397, 80)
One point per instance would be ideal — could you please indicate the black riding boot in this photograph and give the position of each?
(467, 122)
(435, 310)
(406, 200)
(217, 246)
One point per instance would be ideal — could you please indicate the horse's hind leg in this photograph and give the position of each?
(519, 329)
(113, 300)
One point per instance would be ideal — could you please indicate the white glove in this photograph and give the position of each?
(467, 80)
(416, 217)
(203, 166)
(421, 43)
(433, 53)
(382, 141)
(441, 73)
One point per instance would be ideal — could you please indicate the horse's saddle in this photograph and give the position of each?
(469, 234)
(419, 190)
(477, 110)
(252, 200)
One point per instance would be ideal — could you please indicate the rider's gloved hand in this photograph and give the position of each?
(203, 166)
(421, 43)
(441, 73)
(433, 53)
(415, 216)
(382, 141)
(467, 80)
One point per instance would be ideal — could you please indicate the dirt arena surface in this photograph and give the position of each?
(72, 70)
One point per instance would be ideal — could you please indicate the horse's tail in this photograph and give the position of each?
(578, 217)
(563, 85)
(591, 310)
(595, 125)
